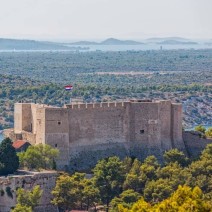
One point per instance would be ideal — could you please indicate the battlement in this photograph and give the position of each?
(113, 104)
(95, 105)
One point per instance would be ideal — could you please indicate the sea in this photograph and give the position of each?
(109, 48)
(143, 47)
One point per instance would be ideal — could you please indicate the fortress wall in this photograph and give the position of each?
(22, 117)
(33, 117)
(28, 136)
(96, 133)
(17, 118)
(46, 181)
(146, 123)
(82, 106)
(96, 105)
(40, 126)
(26, 117)
(145, 129)
(85, 133)
(176, 126)
(89, 106)
(96, 125)
(165, 124)
(194, 143)
(57, 133)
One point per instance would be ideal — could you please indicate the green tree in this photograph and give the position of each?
(39, 157)
(174, 155)
(185, 199)
(140, 173)
(208, 133)
(75, 192)
(63, 194)
(133, 180)
(149, 167)
(201, 172)
(157, 190)
(28, 199)
(140, 206)
(90, 193)
(207, 153)
(126, 198)
(9, 161)
(127, 162)
(200, 128)
(108, 178)
(21, 208)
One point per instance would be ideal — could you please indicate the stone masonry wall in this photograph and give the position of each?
(194, 143)
(9, 185)
(124, 129)
(57, 133)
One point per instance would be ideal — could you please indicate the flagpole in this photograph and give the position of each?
(68, 88)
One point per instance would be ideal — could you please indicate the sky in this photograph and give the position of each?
(101, 19)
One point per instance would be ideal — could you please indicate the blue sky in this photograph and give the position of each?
(100, 19)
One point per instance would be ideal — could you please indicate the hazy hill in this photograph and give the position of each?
(109, 41)
(176, 42)
(14, 44)
(113, 41)
(167, 38)
(84, 43)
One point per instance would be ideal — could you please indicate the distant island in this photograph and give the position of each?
(161, 41)
(176, 42)
(109, 41)
(21, 45)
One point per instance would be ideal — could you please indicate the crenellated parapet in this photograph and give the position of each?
(96, 105)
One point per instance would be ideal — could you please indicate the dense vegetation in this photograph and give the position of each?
(132, 185)
(66, 66)
(179, 75)
(19, 89)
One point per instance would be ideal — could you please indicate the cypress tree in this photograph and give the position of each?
(8, 159)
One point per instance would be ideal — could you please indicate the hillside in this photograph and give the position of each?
(113, 41)
(109, 41)
(15, 44)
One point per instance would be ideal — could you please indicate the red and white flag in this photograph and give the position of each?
(68, 87)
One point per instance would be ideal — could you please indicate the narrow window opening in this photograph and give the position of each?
(141, 131)
(55, 145)
(59, 122)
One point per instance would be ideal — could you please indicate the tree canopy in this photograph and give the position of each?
(27, 200)
(184, 199)
(108, 178)
(39, 157)
(75, 191)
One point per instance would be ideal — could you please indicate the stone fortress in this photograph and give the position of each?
(85, 133)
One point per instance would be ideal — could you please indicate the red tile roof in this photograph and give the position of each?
(19, 143)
